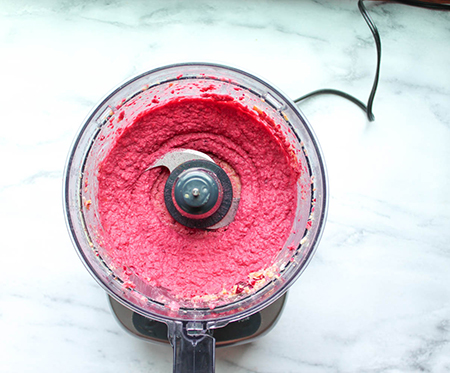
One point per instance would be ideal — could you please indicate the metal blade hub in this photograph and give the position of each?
(198, 193)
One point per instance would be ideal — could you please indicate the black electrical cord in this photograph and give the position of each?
(367, 109)
(376, 36)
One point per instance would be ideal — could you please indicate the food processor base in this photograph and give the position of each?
(237, 332)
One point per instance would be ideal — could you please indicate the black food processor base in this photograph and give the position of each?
(237, 332)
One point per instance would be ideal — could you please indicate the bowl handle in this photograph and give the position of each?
(193, 347)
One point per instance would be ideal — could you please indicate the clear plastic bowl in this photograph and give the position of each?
(190, 326)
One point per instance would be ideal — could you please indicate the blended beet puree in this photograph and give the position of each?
(144, 240)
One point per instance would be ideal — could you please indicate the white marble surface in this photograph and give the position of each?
(376, 297)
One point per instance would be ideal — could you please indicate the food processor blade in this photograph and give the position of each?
(175, 158)
(189, 199)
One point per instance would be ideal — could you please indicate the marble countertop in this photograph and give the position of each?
(375, 298)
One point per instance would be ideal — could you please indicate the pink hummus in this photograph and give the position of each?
(145, 241)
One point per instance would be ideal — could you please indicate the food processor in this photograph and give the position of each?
(200, 195)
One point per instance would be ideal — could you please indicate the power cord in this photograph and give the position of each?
(376, 36)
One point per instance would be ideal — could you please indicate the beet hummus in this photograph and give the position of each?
(146, 242)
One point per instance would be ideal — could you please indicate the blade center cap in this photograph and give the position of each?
(196, 191)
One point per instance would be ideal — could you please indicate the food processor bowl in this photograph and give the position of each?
(190, 325)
